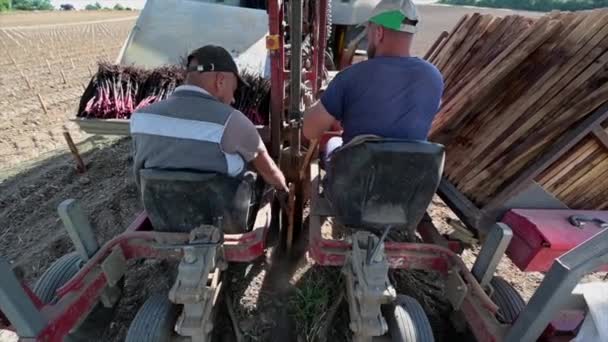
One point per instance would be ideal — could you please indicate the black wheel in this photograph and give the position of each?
(509, 301)
(60, 272)
(407, 321)
(154, 321)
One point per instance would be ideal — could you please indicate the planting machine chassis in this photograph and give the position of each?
(88, 283)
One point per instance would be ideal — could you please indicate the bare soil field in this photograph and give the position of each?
(60, 17)
(37, 173)
(43, 75)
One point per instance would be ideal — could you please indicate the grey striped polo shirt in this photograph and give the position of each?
(191, 130)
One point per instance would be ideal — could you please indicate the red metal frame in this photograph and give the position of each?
(279, 74)
(479, 310)
(541, 236)
(79, 295)
(439, 254)
(436, 253)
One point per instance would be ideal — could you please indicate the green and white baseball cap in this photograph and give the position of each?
(398, 15)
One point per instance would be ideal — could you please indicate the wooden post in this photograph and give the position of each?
(80, 166)
(601, 135)
(439, 40)
(27, 81)
(291, 203)
(72, 62)
(63, 76)
(48, 65)
(42, 104)
(561, 146)
(312, 147)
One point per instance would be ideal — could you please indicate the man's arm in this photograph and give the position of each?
(241, 136)
(269, 170)
(320, 117)
(317, 120)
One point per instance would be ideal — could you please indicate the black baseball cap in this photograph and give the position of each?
(214, 58)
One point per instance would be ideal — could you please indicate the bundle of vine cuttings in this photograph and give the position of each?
(254, 101)
(159, 83)
(116, 91)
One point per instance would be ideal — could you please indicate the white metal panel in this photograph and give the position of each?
(351, 12)
(167, 30)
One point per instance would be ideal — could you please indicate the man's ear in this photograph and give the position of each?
(380, 33)
(219, 80)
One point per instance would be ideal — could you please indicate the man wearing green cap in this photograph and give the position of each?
(391, 95)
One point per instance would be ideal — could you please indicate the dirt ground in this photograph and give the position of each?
(43, 73)
(60, 17)
(270, 297)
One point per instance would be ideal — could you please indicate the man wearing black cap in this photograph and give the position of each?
(196, 129)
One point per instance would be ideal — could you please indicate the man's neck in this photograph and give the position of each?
(194, 87)
(403, 55)
(395, 48)
(394, 54)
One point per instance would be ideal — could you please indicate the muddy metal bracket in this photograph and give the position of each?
(81, 233)
(456, 288)
(114, 268)
(367, 286)
(492, 250)
(198, 283)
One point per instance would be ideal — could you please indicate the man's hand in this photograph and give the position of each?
(271, 173)
(281, 183)
(317, 121)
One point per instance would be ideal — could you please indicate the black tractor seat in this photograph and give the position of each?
(374, 182)
(178, 201)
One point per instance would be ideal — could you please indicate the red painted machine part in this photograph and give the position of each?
(541, 235)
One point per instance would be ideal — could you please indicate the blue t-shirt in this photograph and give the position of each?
(392, 97)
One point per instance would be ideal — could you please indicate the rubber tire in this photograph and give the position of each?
(57, 275)
(407, 321)
(62, 270)
(509, 301)
(154, 321)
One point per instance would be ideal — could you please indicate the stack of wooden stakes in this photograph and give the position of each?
(514, 85)
(580, 178)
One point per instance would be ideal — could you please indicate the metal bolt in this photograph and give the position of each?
(189, 256)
